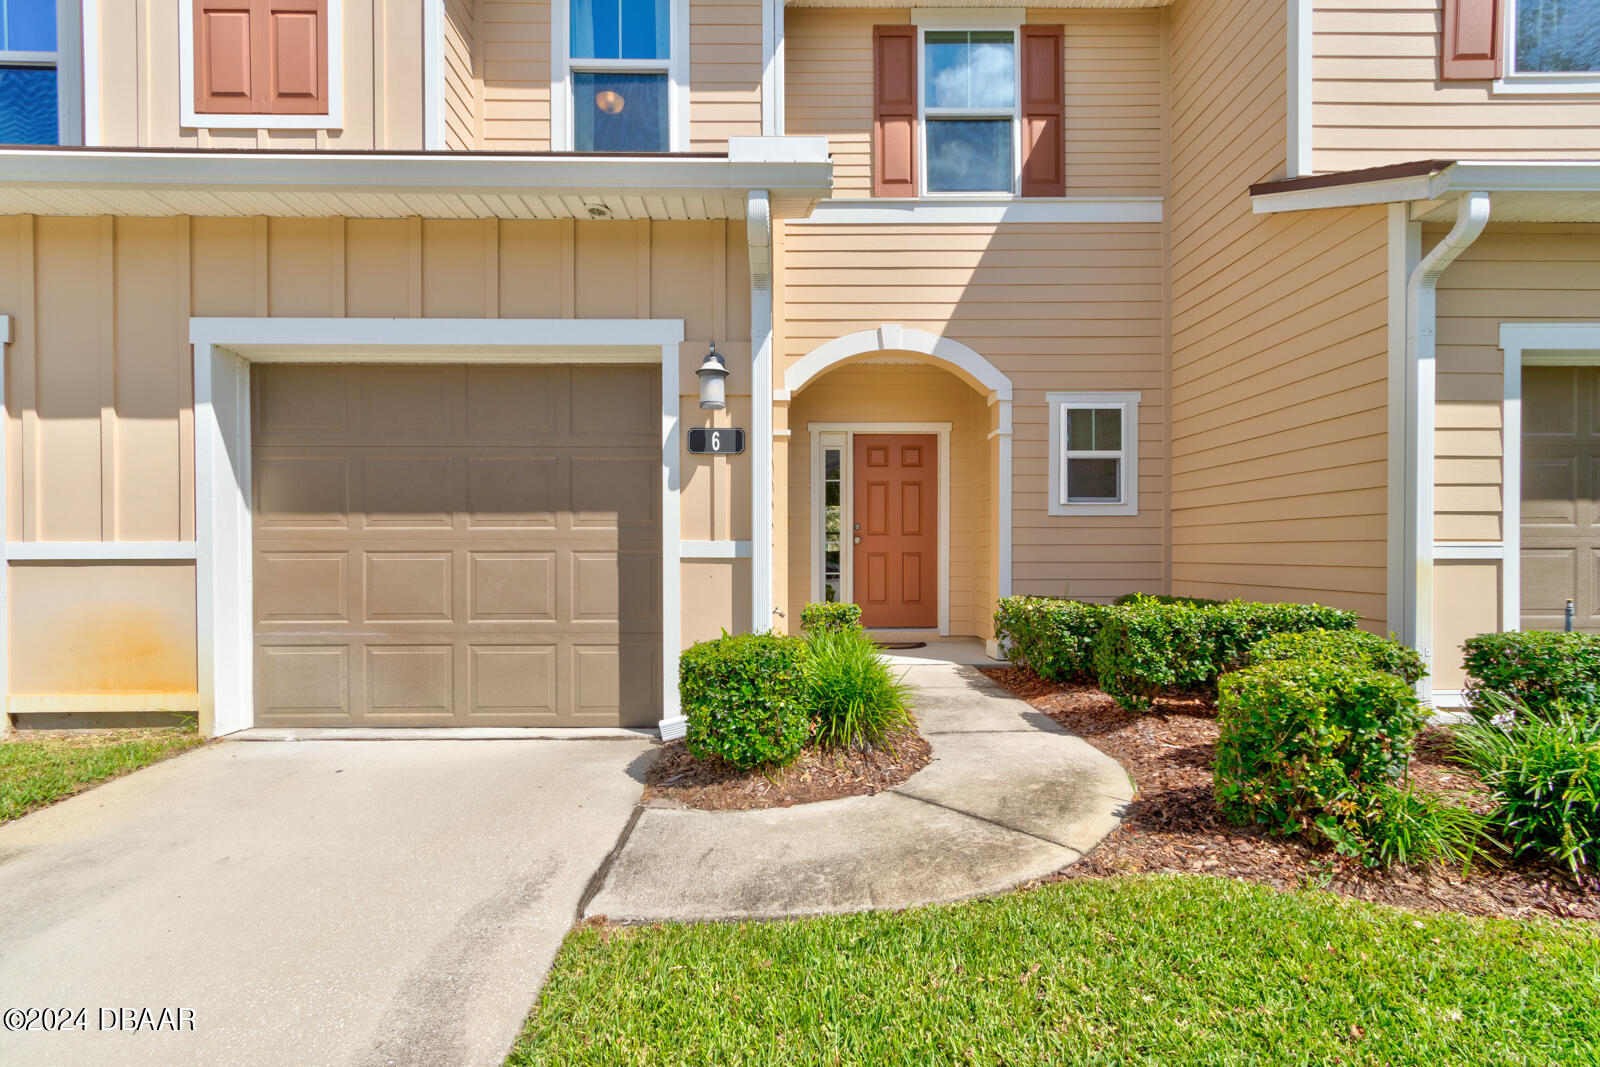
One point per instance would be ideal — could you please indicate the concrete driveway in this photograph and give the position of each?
(318, 902)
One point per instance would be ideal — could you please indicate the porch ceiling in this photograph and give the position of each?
(796, 173)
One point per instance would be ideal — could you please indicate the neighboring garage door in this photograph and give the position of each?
(1560, 488)
(457, 545)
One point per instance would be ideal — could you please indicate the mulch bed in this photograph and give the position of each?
(1174, 825)
(680, 780)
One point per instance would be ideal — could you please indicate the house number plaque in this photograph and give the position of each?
(716, 441)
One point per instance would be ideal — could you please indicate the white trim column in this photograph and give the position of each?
(433, 89)
(758, 236)
(1405, 249)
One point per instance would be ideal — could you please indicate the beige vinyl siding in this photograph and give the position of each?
(382, 81)
(100, 428)
(1279, 342)
(1513, 273)
(462, 106)
(1055, 307)
(1377, 98)
(724, 72)
(514, 36)
(1113, 91)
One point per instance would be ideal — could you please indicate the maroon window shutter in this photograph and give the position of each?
(223, 34)
(1470, 43)
(294, 48)
(1044, 112)
(894, 111)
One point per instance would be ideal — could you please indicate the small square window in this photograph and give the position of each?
(1094, 456)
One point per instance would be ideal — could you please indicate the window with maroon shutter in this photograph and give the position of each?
(1044, 112)
(1470, 40)
(261, 57)
(894, 111)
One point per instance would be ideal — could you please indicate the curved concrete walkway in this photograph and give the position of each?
(1009, 797)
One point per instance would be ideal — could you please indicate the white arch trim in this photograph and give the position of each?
(954, 355)
(894, 338)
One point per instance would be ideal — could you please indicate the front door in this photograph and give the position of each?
(1560, 497)
(897, 530)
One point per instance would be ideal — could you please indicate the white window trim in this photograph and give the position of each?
(1128, 403)
(332, 119)
(989, 23)
(563, 123)
(67, 59)
(821, 441)
(1535, 82)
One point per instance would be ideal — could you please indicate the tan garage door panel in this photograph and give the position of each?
(1560, 491)
(457, 545)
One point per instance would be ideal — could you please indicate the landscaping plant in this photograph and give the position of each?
(817, 618)
(1054, 637)
(1543, 769)
(1355, 646)
(855, 699)
(1398, 824)
(745, 698)
(1533, 669)
(1304, 744)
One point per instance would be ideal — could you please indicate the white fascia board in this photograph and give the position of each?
(778, 149)
(1420, 187)
(890, 211)
(1466, 176)
(375, 172)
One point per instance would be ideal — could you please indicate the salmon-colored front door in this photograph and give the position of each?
(897, 530)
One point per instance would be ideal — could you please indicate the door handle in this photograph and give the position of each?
(858, 540)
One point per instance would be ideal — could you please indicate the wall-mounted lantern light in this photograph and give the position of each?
(713, 374)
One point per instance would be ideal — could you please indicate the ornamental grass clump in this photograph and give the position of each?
(745, 696)
(855, 699)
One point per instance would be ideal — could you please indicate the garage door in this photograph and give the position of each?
(1560, 488)
(456, 545)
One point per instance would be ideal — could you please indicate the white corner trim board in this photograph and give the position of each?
(758, 239)
(868, 211)
(1300, 55)
(1472, 215)
(332, 119)
(223, 351)
(433, 71)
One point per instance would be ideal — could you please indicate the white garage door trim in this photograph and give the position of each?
(224, 348)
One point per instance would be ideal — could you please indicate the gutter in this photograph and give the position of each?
(1472, 215)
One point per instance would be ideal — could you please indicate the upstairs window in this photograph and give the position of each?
(619, 58)
(1556, 37)
(969, 109)
(1523, 46)
(30, 107)
(244, 60)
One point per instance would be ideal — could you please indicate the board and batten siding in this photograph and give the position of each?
(100, 434)
(1377, 97)
(1054, 307)
(1279, 342)
(1113, 93)
(381, 70)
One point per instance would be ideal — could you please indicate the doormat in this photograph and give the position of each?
(899, 646)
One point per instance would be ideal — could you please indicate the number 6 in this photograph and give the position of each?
(716, 441)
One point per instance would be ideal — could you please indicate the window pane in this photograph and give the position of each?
(970, 68)
(30, 26)
(1092, 481)
(619, 112)
(969, 155)
(1094, 429)
(28, 105)
(1558, 35)
(620, 29)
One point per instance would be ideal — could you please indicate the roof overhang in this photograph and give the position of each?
(794, 171)
(1523, 191)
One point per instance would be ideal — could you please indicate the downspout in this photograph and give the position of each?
(758, 234)
(1472, 215)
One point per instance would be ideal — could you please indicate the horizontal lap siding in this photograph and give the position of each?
(1055, 307)
(514, 36)
(1113, 94)
(1510, 274)
(461, 86)
(1377, 98)
(1279, 339)
(724, 72)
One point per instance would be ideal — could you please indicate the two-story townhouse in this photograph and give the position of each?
(352, 347)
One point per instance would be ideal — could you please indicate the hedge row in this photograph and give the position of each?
(1137, 648)
(1536, 669)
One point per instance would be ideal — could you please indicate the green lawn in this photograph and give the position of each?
(40, 770)
(1147, 970)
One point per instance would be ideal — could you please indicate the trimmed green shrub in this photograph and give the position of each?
(1161, 598)
(816, 618)
(1301, 742)
(1357, 646)
(745, 698)
(855, 699)
(1544, 772)
(1148, 646)
(1534, 669)
(1052, 636)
